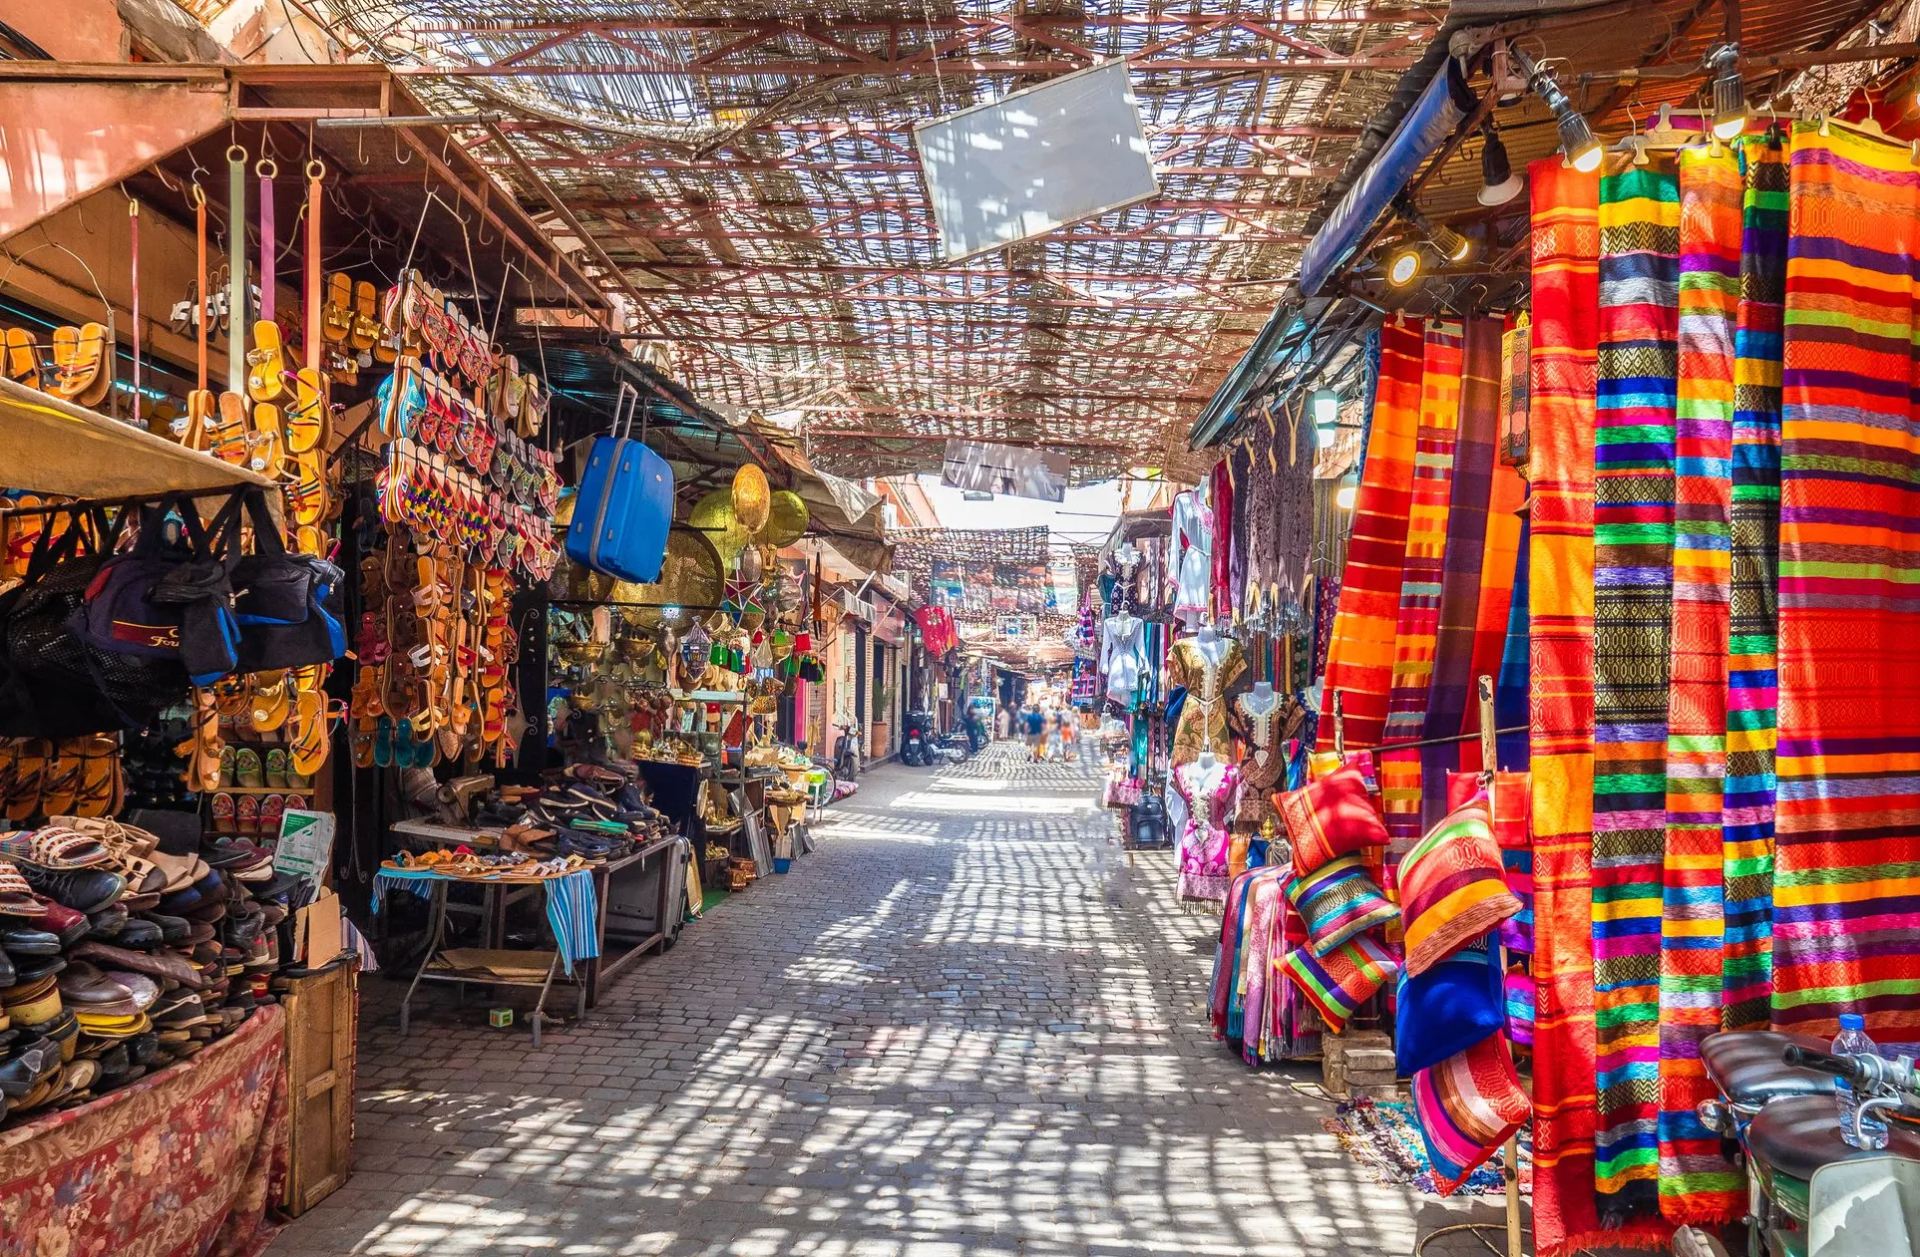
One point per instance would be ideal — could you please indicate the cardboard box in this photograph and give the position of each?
(316, 931)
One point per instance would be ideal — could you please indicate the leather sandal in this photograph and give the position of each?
(266, 449)
(336, 316)
(365, 333)
(266, 364)
(23, 363)
(230, 435)
(307, 416)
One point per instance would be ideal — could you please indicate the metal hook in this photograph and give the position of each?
(398, 148)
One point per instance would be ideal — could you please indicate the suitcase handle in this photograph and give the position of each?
(624, 406)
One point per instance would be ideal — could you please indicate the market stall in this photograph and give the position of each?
(1565, 533)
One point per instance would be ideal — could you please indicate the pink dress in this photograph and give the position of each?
(1204, 840)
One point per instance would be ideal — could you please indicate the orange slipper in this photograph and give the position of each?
(230, 436)
(23, 364)
(366, 323)
(307, 417)
(336, 317)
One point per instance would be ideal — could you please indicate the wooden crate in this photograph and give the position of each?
(322, 1025)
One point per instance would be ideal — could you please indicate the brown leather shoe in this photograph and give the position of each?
(85, 989)
(157, 964)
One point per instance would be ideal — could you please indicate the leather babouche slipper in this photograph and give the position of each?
(161, 964)
(87, 991)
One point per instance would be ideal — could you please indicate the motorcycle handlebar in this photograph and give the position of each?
(1864, 1072)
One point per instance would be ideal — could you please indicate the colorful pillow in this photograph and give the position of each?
(1339, 900)
(1513, 831)
(1448, 1009)
(1452, 887)
(1345, 978)
(1467, 1106)
(1334, 816)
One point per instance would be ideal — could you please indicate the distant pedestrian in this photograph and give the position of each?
(1035, 724)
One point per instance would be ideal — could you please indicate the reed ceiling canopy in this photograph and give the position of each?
(750, 169)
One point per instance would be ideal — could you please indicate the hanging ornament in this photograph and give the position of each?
(752, 497)
(713, 518)
(787, 519)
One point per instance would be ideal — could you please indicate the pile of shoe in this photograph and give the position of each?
(591, 812)
(118, 957)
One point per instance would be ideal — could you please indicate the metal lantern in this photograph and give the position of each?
(1516, 356)
(752, 497)
(787, 519)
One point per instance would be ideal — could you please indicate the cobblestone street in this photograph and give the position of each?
(963, 1026)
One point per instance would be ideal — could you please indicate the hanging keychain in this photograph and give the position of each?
(236, 270)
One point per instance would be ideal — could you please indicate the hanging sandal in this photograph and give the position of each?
(307, 417)
(93, 365)
(230, 436)
(336, 317)
(307, 735)
(266, 364)
(23, 364)
(267, 451)
(366, 325)
(268, 710)
(197, 429)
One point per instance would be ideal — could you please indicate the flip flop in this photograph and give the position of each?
(266, 364)
(23, 364)
(307, 417)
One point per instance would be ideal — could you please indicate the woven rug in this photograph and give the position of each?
(1420, 584)
(1696, 1184)
(1450, 692)
(1846, 924)
(1360, 652)
(1383, 1136)
(1566, 248)
(1633, 594)
(1499, 561)
(1754, 614)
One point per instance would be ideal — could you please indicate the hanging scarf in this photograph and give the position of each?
(1633, 595)
(1420, 582)
(1566, 240)
(1510, 689)
(1449, 694)
(1752, 690)
(1846, 930)
(1696, 1184)
(1499, 568)
(1360, 656)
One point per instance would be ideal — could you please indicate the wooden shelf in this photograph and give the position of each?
(48, 445)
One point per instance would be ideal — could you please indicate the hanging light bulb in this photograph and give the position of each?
(1452, 245)
(1729, 93)
(1498, 184)
(1405, 264)
(1577, 143)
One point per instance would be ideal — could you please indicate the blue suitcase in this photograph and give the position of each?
(625, 503)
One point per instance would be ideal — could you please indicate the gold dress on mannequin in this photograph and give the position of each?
(1203, 717)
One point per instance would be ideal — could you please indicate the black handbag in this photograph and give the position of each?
(287, 605)
(52, 684)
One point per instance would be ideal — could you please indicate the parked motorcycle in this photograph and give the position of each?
(916, 740)
(846, 752)
(1810, 1193)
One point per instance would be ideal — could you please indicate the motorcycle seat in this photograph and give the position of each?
(1746, 1066)
(1798, 1135)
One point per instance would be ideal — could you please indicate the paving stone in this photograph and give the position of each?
(965, 1026)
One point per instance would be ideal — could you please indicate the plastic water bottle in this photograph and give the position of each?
(1853, 1041)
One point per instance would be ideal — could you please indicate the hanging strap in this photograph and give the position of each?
(237, 270)
(266, 168)
(316, 170)
(133, 249)
(200, 293)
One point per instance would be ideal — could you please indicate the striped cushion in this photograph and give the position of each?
(1338, 900)
(1466, 1106)
(1338, 983)
(1452, 887)
(1334, 816)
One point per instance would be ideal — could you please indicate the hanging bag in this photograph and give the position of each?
(625, 505)
(168, 600)
(53, 684)
(287, 605)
